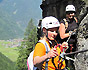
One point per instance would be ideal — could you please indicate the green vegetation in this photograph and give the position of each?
(15, 15)
(18, 55)
(8, 28)
(27, 46)
(8, 55)
(11, 53)
(6, 63)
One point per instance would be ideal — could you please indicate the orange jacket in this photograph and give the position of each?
(40, 50)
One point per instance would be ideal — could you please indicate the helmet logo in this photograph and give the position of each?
(56, 22)
(50, 22)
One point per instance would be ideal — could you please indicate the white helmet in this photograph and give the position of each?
(70, 8)
(50, 22)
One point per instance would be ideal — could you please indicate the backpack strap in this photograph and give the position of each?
(66, 23)
(47, 50)
(46, 45)
(30, 58)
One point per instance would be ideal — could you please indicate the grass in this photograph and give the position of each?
(11, 53)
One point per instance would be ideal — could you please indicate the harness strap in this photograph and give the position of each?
(54, 63)
(46, 65)
(47, 50)
(66, 23)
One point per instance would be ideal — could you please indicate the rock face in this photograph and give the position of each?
(57, 8)
(81, 62)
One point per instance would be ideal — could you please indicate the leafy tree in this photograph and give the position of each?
(27, 45)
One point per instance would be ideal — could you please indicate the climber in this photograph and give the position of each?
(67, 28)
(48, 60)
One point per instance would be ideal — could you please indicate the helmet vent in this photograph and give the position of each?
(50, 23)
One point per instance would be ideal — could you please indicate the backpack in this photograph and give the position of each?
(30, 58)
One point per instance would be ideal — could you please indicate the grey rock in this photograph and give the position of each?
(81, 62)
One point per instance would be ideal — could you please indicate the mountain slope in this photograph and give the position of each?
(15, 15)
(5, 63)
(8, 28)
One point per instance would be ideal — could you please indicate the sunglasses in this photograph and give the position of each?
(70, 12)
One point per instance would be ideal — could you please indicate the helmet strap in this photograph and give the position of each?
(47, 34)
(50, 41)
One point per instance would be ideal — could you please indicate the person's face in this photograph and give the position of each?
(52, 33)
(70, 15)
